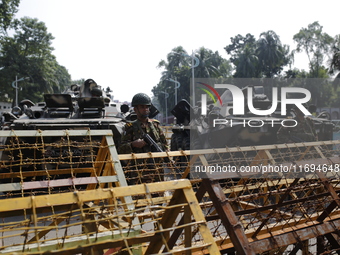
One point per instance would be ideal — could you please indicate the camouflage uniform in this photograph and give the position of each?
(148, 171)
(304, 131)
(135, 130)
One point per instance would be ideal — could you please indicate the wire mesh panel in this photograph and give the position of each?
(60, 192)
(281, 196)
(46, 162)
(102, 221)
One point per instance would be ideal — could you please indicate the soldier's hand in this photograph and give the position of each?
(139, 143)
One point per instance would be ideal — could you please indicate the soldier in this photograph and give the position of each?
(304, 131)
(132, 142)
(132, 139)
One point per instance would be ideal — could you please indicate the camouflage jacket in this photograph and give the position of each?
(135, 130)
(304, 131)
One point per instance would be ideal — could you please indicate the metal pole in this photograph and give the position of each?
(175, 90)
(193, 58)
(166, 108)
(193, 65)
(177, 85)
(166, 95)
(15, 85)
(16, 90)
(193, 79)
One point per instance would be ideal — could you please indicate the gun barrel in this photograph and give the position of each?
(148, 139)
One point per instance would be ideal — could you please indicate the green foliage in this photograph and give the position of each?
(238, 44)
(334, 100)
(267, 56)
(177, 67)
(62, 79)
(242, 55)
(272, 55)
(264, 57)
(7, 10)
(253, 58)
(28, 53)
(321, 90)
(316, 44)
(247, 64)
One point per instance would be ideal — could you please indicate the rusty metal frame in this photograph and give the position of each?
(183, 200)
(100, 169)
(106, 170)
(250, 243)
(257, 239)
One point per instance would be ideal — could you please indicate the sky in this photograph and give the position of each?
(120, 43)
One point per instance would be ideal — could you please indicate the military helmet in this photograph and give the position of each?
(141, 98)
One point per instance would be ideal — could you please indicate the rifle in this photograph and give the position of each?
(148, 139)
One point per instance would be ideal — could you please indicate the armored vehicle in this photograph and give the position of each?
(64, 137)
(79, 107)
(220, 128)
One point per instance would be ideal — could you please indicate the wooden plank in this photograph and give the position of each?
(224, 150)
(270, 157)
(187, 230)
(100, 161)
(55, 133)
(199, 216)
(46, 231)
(283, 197)
(56, 183)
(333, 242)
(44, 173)
(175, 235)
(260, 157)
(168, 219)
(116, 166)
(226, 214)
(89, 195)
(276, 230)
(188, 169)
(69, 244)
(279, 240)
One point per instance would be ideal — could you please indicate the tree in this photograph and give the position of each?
(7, 10)
(238, 44)
(247, 64)
(175, 59)
(272, 55)
(177, 66)
(225, 68)
(315, 43)
(253, 58)
(242, 55)
(62, 79)
(334, 63)
(295, 73)
(211, 64)
(29, 54)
